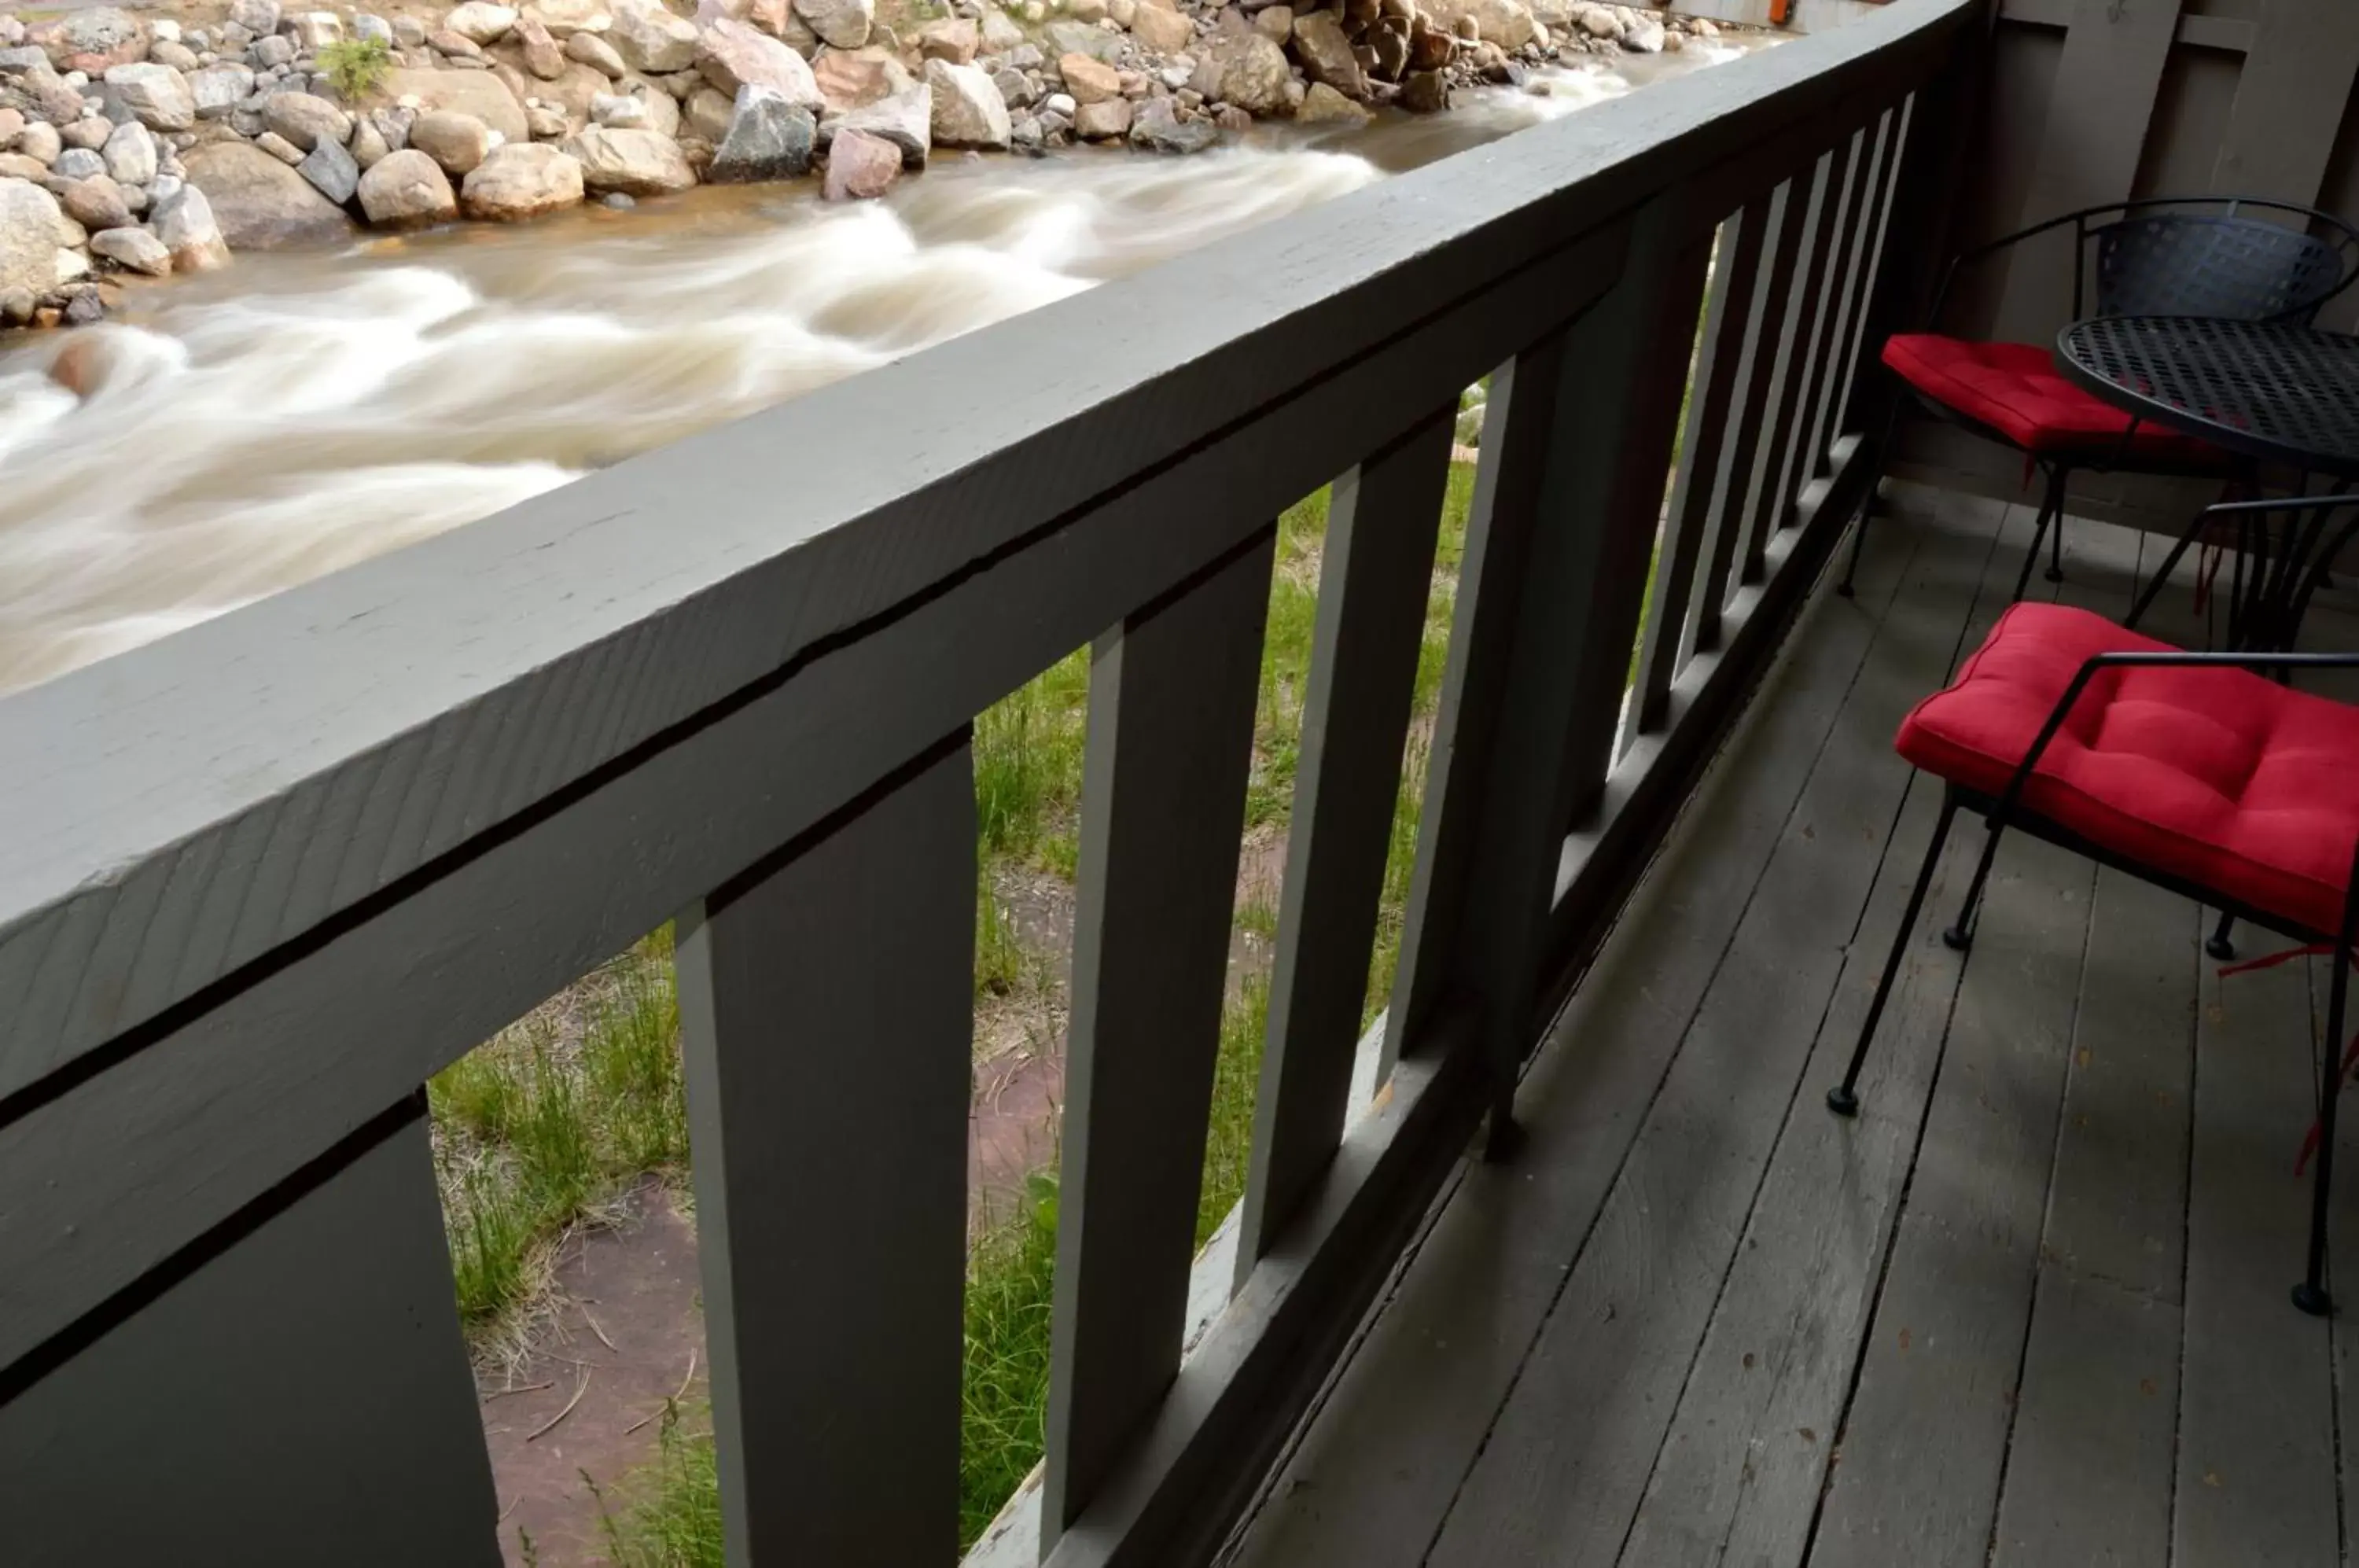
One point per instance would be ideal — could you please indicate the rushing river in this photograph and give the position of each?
(236, 433)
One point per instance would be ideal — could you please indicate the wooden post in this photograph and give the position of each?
(1374, 580)
(1542, 647)
(1740, 446)
(1163, 789)
(290, 1388)
(826, 1005)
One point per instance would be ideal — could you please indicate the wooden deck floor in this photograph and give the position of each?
(2031, 1308)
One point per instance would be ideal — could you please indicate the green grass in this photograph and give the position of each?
(356, 65)
(1027, 768)
(670, 1510)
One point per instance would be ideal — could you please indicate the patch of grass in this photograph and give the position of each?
(671, 1509)
(356, 66)
(1004, 1387)
(552, 1117)
(1027, 768)
(1286, 661)
(1236, 1075)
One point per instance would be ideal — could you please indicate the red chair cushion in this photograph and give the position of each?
(2217, 777)
(2014, 389)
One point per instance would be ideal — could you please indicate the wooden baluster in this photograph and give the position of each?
(1892, 130)
(1819, 283)
(1374, 581)
(290, 1388)
(1862, 214)
(1699, 494)
(1163, 789)
(826, 1003)
(1792, 266)
(1748, 411)
(1578, 436)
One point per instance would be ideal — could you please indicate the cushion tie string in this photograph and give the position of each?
(2350, 1051)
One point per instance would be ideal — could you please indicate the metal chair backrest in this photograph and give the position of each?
(2181, 259)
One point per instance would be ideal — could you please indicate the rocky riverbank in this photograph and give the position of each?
(133, 146)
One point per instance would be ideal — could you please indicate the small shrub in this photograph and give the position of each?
(356, 66)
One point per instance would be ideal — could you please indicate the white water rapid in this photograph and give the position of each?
(233, 434)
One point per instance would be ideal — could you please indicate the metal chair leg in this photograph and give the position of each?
(1867, 507)
(1959, 935)
(2051, 515)
(2311, 1295)
(2056, 538)
(1844, 1098)
(2219, 946)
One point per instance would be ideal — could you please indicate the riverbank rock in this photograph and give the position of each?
(155, 95)
(637, 163)
(1089, 79)
(216, 88)
(1322, 102)
(30, 226)
(96, 203)
(1326, 54)
(1161, 28)
(259, 202)
(133, 250)
(770, 137)
(732, 56)
(968, 110)
(1158, 127)
(478, 92)
(1248, 70)
(481, 22)
(1507, 23)
(130, 154)
(597, 53)
(407, 189)
(651, 38)
(860, 167)
(564, 18)
(457, 143)
(1103, 120)
(905, 119)
(184, 221)
(841, 24)
(95, 41)
(521, 180)
(849, 79)
(954, 38)
(306, 121)
(542, 54)
(332, 170)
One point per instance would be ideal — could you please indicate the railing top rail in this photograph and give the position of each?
(221, 802)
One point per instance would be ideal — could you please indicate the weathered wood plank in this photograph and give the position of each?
(2090, 1470)
(1737, 1477)
(319, 1354)
(1374, 578)
(826, 1008)
(1163, 799)
(2257, 1472)
(1698, 490)
(2290, 100)
(1566, 1457)
(1380, 1464)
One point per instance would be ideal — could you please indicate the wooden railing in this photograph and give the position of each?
(260, 880)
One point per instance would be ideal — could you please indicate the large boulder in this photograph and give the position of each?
(259, 17)
(954, 38)
(521, 180)
(1322, 102)
(968, 110)
(840, 24)
(39, 94)
(130, 154)
(1158, 127)
(332, 170)
(406, 189)
(596, 52)
(260, 203)
(306, 121)
(1161, 30)
(1088, 80)
(131, 249)
(564, 18)
(216, 88)
(651, 38)
(96, 203)
(1326, 54)
(481, 22)
(848, 78)
(1248, 70)
(905, 119)
(1507, 23)
(860, 167)
(635, 163)
(543, 56)
(1107, 118)
(477, 92)
(733, 56)
(95, 41)
(770, 137)
(155, 95)
(30, 227)
(184, 221)
(456, 142)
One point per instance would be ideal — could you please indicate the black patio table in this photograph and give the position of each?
(2277, 392)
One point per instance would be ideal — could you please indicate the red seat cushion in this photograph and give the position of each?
(2214, 776)
(2015, 389)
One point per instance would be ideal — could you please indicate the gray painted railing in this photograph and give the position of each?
(260, 880)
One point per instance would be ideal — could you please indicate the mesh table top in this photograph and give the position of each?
(2289, 394)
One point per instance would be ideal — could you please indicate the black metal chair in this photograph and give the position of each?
(2217, 256)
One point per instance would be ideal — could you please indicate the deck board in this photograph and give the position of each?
(2016, 1313)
